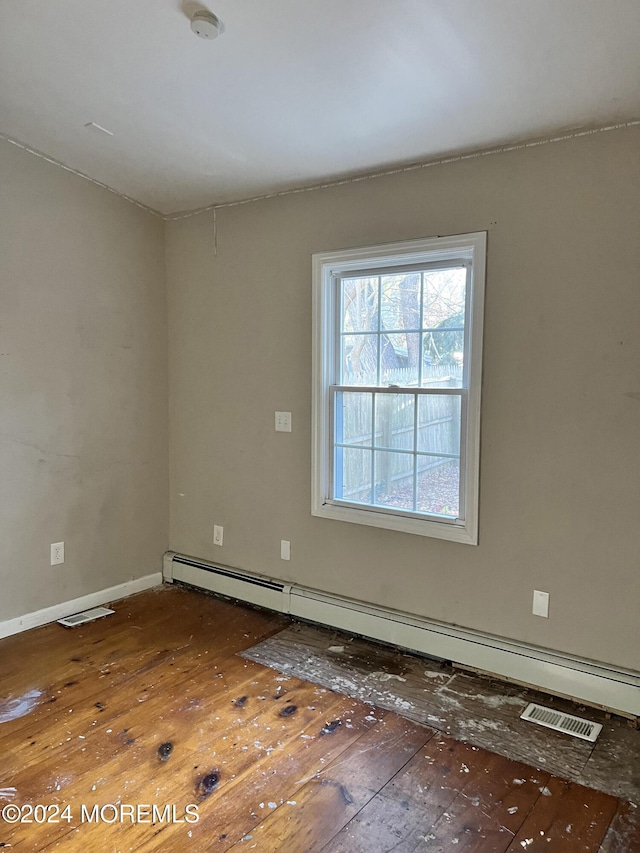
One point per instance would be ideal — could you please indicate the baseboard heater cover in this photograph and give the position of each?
(587, 681)
(245, 586)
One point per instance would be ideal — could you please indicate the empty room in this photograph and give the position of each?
(320, 385)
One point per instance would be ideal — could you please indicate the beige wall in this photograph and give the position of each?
(560, 467)
(83, 386)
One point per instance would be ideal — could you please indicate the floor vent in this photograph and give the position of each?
(85, 616)
(566, 723)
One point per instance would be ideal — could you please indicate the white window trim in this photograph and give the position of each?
(471, 246)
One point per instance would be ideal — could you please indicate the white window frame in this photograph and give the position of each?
(470, 248)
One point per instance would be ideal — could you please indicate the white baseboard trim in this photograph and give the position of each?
(85, 602)
(594, 683)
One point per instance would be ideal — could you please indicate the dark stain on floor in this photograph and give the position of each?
(164, 750)
(208, 784)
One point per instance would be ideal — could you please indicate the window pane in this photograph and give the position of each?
(442, 363)
(394, 480)
(442, 376)
(353, 419)
(444, 297)
(353, 474)
(360, 304)
(439, 424)
(438, 485)
(399, 355)
(444, 318)
(359, 359)
(395, 421)
(400, 306)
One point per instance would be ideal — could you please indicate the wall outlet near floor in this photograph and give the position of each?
(218, 533)
(57, 553)
(540, 603)
(285, 549)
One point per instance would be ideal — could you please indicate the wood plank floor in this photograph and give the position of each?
(153, 708)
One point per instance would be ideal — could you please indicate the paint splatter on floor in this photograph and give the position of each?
(13, 709)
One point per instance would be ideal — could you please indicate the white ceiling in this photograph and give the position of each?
(297, 91)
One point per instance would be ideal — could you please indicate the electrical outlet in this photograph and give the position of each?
(283, 421)
(285, 549)
(540, 603)
(57, 553)
(217, 534)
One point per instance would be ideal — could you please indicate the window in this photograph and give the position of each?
(397, 371)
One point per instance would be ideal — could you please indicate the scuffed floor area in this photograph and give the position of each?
(471, 708)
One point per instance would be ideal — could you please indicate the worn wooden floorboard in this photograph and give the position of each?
(449, 795)
(154, 707)
(452, 796)
(566, 820)
(331, 798)
(614, 763)
(466, 706)
(623, 835)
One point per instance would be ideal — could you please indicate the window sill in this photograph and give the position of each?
(453, 532)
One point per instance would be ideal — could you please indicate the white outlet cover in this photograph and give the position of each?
(57, 553)
(285, 549)
(218, 534)
(283, 421)
(540, 603)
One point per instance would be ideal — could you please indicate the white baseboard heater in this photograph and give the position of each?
(587, 681)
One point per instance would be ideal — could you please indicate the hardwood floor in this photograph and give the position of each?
(152, 707)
